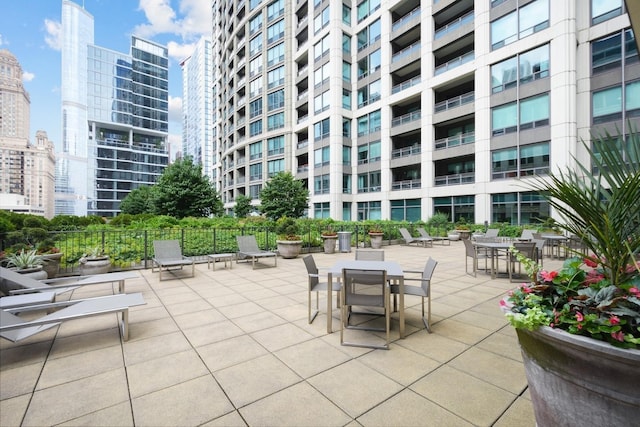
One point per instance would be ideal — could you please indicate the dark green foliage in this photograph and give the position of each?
(139, 201)
(243, 206)
(283, 196)
(183, 191)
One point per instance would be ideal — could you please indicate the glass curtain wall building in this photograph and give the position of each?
(401, 109)
(114, 118)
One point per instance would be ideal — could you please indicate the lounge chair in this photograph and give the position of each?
(168, 257)
(442, 240)
(15, 283)
(14, 328)
(417, 240)
(248, 249)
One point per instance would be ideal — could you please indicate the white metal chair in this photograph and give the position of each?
(472, 252)
(315, 285)
(369, 255)
(422, 290)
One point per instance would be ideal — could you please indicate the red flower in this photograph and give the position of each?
(590, 262)
(614, 320)
(579, 316)
(618, 336)
(593, 277)
(634, 291)
(548, 276)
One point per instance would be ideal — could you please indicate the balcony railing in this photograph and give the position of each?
(406, 51)
(456, 62)
(453, 25)
(406, 151)
(455, 102)
(459, 178)
(406, 18)
(303, 143)
(406, 185)
(405, 84)
(454, 141)
(406, 118)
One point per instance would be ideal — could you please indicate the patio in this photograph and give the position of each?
(233, 347)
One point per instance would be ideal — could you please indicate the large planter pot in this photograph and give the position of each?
(376, 240)
(37, 273)
(51, 264)
(464, 234)
(329, 244)
(289, 248)
(95, 266)
(579, 381)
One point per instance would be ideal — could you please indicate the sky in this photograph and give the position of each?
(31, 30)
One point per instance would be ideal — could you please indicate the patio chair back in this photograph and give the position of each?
(369, 255)
(167, 249)
(492, 232)
(247, 244)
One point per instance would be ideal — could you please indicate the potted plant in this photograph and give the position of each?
(51, 257)
(329, 236)
(289, 241)
(27, 262)
(579, 327)
(94, 262)
(462, 228)
(375, 235)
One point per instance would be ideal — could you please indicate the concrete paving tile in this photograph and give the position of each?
(502, 345)
(254, 379)
(298, 405)
(458, 331)
(408, 409)
(189, 403)
(354, 387)
(71, 400)
(116, 416)
(433, 346)
(242, 309)
(222, 354)
(311, 357)
(519, 414)
(67, 346)
(188, 307)
(80, 365)
(22, 355)
(156, 374)
(293, 313)
(474, 400)
(12, 410)
(258, 321)
(213, 332)
(281, 336)
(491, 323)
(232, 419)
(497, 370)
(199, 318)
(88, 324)
(277, 302)
(147, 314)
(151, 348)
(42, 337)
(400, 364)
(152, 328)
(17, 381)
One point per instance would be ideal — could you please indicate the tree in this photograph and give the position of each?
(243, 206)
(183, 191)
(282, 196)
(139, 201)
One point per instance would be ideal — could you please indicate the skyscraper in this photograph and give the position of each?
(26, 169)
(114, 118)
(402, 109)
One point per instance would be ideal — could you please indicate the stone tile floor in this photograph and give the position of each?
(232, 347)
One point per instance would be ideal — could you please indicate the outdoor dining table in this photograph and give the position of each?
(394, 272)
(554, 241)
(495, 248)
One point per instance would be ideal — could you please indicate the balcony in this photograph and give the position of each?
(415, 47)
(405, 19)
(453, 25)
(406, 118)
(406, 151)
(456, 179)
(406, 185)
(455, 62)
(454, 141)
(454, 102)
(406, 84)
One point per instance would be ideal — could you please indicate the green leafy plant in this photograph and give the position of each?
(24, 260)
(287, 229)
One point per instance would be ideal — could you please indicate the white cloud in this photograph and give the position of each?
(195, 19)
(179, 51)
(161, 17)
(175, 109)
(53, 38)
(27, 76)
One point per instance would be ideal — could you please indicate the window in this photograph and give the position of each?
(255, 45)
(321, 184)
(275, 77)
(275, 146)
(526, 67)
(255, 151)
(275, 121)
(456, 208)
(406, 210)
(275, 10)
(346, 14)
(527, 20)
(504, 119)
(255, 87)
(275, 55)
(346, 99)
(321, 48)
(519, 208)
(346, 43)
(366, 8)
(255, 108)
(321, 157)
(275, 32)
(275, 100)
(275, 166)
(369, 182)
(369, 35)
(321, 130)
(526, 160)
(369, 210)
(369, 152)
(607, 105)
(609, 52)
(255, 66)
(321, 102)
(346, 211)
(346, 71)
(255, 128)
(254, 191)
(321, 75)
(534, 112)
(369, 93)
(602, 10)
(346, 156)
(346, 183)
(632, 99)
(321, 210)
(346, 128)
(255, 172)
(255, 24)
(321, 20)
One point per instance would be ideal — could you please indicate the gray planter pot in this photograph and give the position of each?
(95, 266)
(51, 264)
(289, 248)
(376, 240)
(329, 244)
(579, 381)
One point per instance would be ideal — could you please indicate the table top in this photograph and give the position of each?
(495, 245)
(554, 237)
(220, 255)
(393, 268)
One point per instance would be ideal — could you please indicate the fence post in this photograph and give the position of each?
(146, 250)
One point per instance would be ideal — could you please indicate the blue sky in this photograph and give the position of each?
(30, 29)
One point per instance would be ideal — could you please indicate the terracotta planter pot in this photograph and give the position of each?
(289, 248)
(580, 381)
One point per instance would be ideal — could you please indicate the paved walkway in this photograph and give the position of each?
(234, 348)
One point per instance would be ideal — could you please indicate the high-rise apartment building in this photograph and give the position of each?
(197, 127)
(401, 109)
(27, 170)
(114, 118)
